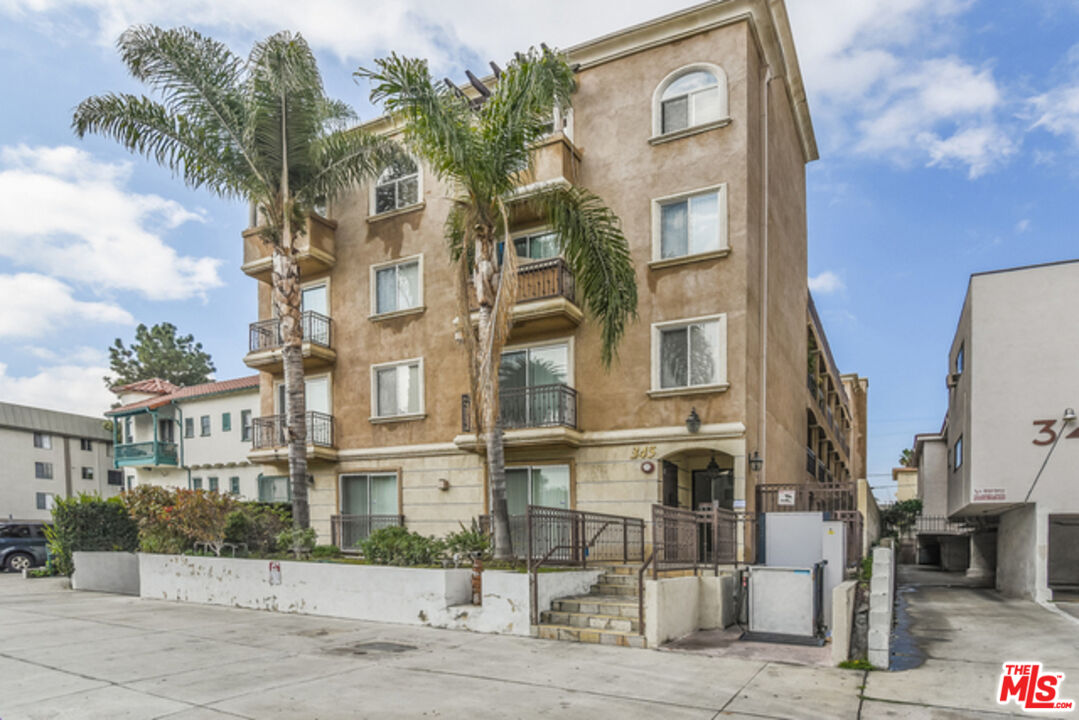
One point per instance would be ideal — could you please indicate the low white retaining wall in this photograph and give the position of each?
(881, 607)
(843, 596)
(413, 596)
(112, 572)
(675, 607)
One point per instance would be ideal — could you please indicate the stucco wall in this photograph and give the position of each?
(933, 478)
(676, 607)
(842, 622)
(111, 572)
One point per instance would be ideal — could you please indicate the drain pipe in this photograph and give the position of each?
(763, 430)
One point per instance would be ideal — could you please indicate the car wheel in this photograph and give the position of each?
(17, 562)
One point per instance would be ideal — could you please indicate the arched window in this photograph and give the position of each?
(689, 97)
(397, 187)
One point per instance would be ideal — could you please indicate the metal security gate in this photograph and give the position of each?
(1063, 559)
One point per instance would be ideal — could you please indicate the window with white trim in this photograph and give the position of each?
(369, 494)
(397, 286)
(397, 388)
(87, 473)
(43, 470)
(397, 187)
(43, 441)
(689, 354)
(537, 245)
(690, 224)
(544, 485)
(690, 97)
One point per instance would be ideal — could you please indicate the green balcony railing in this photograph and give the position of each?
(147, 453)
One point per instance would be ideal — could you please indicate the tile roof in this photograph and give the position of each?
(53, 422)
(157, 386)
(190, 392)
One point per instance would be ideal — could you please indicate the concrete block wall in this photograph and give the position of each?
(881, 606)
(843, 596)
(111, 572)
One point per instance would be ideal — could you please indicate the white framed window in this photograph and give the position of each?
(398, 187)
(690, 224)
(957, 454)
(43, 441)
(397, 391)
(539, 244)
(689, 355)
(545, 485)
(369, 494)
(694, 96)
(275, 488)
(87, 473)
(43, 470)
(234, 486)
(397, 286)
(86, 445)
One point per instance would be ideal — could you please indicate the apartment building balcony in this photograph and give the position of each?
(269, 438)
(347, 531)
(265, 343)
(314, 249)
(546, 299)
(536, 415)
(826, 416)
(146, 454)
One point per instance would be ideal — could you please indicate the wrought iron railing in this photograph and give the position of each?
(315, 327)
(539, 280)
(811, 461)
(684, 539)
(272, 431)
(552, 405)
(153, 452)
(807, 497)
(940, 525)
(557, 536)
(348, 531)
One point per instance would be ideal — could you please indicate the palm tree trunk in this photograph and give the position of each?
(286, 294)
(496, 477)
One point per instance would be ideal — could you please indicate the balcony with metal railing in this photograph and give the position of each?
(269, 438)
(546, 298)
(265, 342)
(314, 249)
(147, 454)
(539, 406)
(347, 531)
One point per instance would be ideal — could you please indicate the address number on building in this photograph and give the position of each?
(642, 452)
(1047, 433)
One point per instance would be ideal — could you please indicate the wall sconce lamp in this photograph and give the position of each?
(1069, 415)
(443, 484)
(693, 421)
(756, 462)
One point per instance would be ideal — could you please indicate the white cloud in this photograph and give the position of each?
(1022, 226)
(67, 387)
(69, 215)
(1058, 111)
(826, 283)
(38, 305)
(880, 85)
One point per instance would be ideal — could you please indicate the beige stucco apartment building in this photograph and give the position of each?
(1010, 443)
(694, 129)
(194, 437)
(48, 454)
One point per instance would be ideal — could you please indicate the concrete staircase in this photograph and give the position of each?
(608, 615)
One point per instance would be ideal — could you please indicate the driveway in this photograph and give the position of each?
(956, 637)
(87, 655)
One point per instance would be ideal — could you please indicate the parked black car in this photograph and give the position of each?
(22, 545)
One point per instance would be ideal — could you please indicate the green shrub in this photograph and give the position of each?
(256, 525)
(856, 665)
(87, 522)
(297, 541)
(325, 551)
(398, 546)
(151, 506)
(466, 541)
(866, 571)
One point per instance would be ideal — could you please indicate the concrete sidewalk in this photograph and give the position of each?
(85, 655)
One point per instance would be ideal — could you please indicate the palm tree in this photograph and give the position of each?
(484, 152)
(261, 130)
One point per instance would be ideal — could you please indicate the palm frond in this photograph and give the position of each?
(438, 122)
(596, 251)
(151, 129)
(345, 159)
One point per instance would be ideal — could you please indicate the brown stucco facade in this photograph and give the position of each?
(628, 434)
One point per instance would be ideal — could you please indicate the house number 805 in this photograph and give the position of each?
(642, 452)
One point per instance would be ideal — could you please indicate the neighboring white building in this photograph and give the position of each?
(195, 437)
(46, 454)
(1009, 447)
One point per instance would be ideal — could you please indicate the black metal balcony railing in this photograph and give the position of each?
(811, 461)
(349, 530)
(540, 280)
(530, 407)
(272, 431)
(315, 327)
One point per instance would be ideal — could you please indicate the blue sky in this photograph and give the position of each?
(948, 132)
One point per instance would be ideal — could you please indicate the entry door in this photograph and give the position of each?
(315, 299)
(706, 489)
(315, 329)
(316, 395)
(1063, 559)
(670, 484)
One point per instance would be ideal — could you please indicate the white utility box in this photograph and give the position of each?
(782, 601)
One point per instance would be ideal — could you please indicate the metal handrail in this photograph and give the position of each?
(271, 431)
(640, 591)
(551, 405)
(315, 328)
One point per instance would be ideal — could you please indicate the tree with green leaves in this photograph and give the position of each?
(260, 130)
(484, 152)
(159, 352)
(906, 458)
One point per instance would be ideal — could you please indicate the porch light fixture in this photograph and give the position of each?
(693, 421)
(1069, 415)
(756, 462)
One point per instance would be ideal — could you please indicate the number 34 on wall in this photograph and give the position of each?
(642, 452)
(1047, 435)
